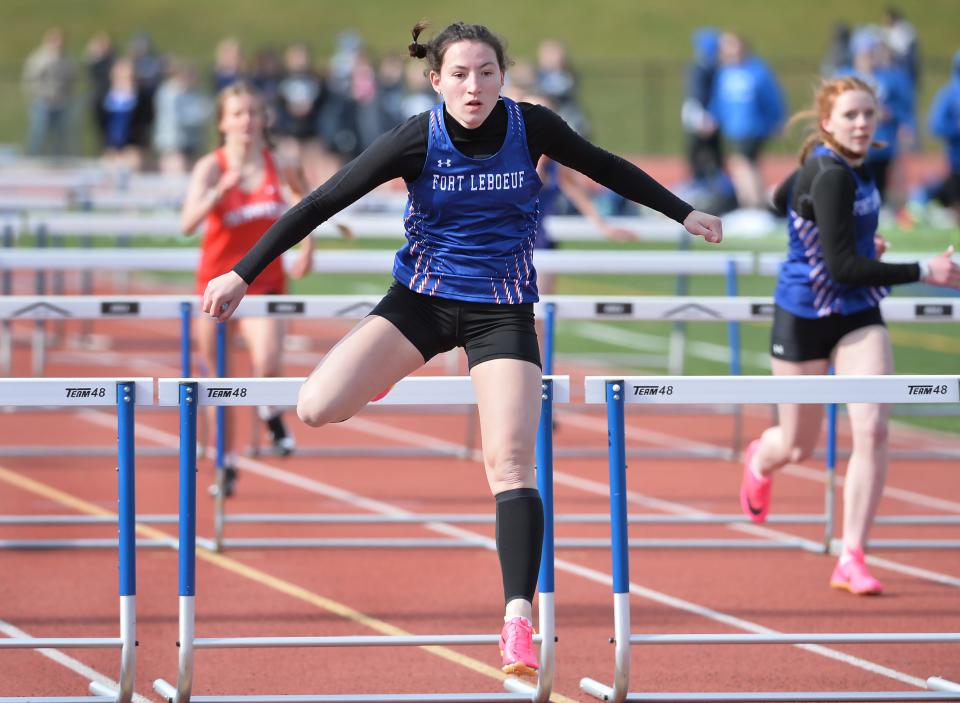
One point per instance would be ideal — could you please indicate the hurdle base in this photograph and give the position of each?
(169, 692)
(166, 691)
(605, 693)
(58, 699)
(936, 683)
(596, 689)
(99, 689)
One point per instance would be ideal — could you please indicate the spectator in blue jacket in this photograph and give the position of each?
(897, 126)
(944, 122)
(704, 155)
(748, 105)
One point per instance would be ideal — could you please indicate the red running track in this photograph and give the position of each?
(378, 591)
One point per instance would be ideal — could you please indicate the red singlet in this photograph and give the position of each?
(236, 223)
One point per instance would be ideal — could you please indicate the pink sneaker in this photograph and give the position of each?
(516, 647)
(754, 492)
(851, 574)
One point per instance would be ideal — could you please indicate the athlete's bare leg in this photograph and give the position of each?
(794, 437)
(205, 332)
(264, 339)
(865, 351)
(508, 400)
(369, 359)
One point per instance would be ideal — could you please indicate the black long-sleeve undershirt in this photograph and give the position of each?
(824, 191)
(401, 153)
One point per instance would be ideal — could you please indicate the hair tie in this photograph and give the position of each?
(417, 51)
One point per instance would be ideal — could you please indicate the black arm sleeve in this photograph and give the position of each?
(556, 139)
(781, 196)
(398, 153)
(833, 192)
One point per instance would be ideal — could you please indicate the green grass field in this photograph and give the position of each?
(629, 54)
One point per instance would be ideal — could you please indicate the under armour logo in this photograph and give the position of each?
(441, 162)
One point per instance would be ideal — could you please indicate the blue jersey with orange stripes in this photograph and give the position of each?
(471, 223)
(804, 287)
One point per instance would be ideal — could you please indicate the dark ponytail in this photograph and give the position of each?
(418, 51)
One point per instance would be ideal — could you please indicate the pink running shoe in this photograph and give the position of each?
(850, 574)
(516, 647)
(754, 492)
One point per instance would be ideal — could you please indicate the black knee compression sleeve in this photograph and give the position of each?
(519, 541)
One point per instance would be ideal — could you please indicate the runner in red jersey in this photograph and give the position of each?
(237, 191)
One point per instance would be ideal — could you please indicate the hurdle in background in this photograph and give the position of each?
(729, 309)
(616, 392)
(125, 394)
(550, 261)
(564, 307)
(189, 394)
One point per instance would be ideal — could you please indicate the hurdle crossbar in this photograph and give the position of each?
(125, 395)
(551, 308)
(379, 261)
(410, 391)
(189, 394)
(617, 392)
(361, 219)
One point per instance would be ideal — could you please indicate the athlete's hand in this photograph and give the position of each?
(222, 295)
(303, 264)
(944, 271)
(345, 232)
(228, 179)
(618, 234)
(880, 244)
(701, 224)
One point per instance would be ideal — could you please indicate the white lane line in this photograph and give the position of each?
(284, 476)
(741, 624)
(62, 659)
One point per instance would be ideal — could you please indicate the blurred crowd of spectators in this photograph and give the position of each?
(734, 105)
(153, 110)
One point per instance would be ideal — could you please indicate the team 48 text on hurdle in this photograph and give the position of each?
(616, 392)
(188, 394)
(125, 394)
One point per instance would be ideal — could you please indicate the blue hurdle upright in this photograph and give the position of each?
(189, 394)
(616, 392)
(125, 394)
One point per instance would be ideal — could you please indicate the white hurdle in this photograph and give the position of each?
(618, 391)
(605, 308)
(189, 394)
(378, 261)
(369, 218)
(124, 394)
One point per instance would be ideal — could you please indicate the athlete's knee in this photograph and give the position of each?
(875, 433)
(313, 409)
(800, 451)
(509, 468)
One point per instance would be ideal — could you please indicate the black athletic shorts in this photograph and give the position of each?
(485, 330)
(794, 338)
(748, 147)
(947, 193)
